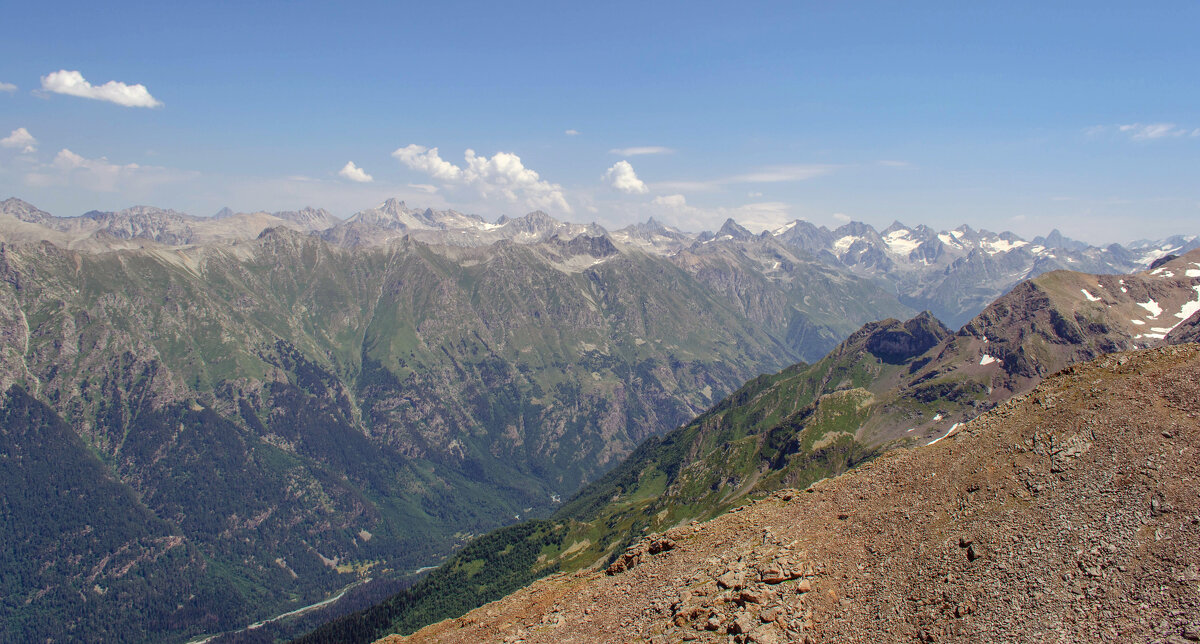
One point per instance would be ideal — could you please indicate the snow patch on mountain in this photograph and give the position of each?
(843, 244)
(1189, 308)
(1001, 246)
(1153, 307)
(784, 228)
(901, 242)
(949, 240)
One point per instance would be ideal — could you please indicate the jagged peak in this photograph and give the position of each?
(538, 215)
(857, 228)
(15, 202)
(392, 206)
(734, 230)
(23, 210)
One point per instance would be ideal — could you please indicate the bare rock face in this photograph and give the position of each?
(1071, 513)
(1188, 331)
(896, 342)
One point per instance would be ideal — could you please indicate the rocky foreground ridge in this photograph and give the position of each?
(1071, 513)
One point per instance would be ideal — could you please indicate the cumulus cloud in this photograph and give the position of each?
(572, 132)
(100, 175)
(842, 217)
(355, 173)
(8, 87)
(20, 139)
(622, 177)
(502, 176)
(646, 149)
(427, 160)
(73, 83)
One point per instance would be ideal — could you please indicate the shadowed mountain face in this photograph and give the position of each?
(891, 384)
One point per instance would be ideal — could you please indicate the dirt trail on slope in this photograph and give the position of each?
(1071, 513)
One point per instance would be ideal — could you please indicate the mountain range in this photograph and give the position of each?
(891, 385)
(952, 274)
(215, 420)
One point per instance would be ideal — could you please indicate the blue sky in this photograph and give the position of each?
(1018, 116)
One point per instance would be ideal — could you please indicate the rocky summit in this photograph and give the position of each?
(1070, 513)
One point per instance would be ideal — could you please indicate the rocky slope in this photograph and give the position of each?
(1071, 513)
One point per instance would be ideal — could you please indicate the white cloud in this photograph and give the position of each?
(8, 87)
(622, 177)
(1140, 132)
(20, 139)
(72, 83)
(502, 176)
(572, 132)
(842, 217)
(635, 151)
(355, 173)
(753, 194)
(100, 175)
(769, 174)
(670, 201)
(1143, 131)
(423, 187)
(687, 186)
(764, 215)
(781, 174)
(427, 160)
